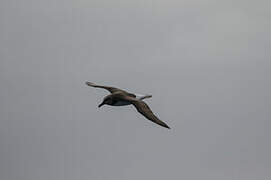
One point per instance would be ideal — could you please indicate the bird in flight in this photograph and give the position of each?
(119, 97)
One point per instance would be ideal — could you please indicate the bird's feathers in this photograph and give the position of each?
(141, 106)
(110, 89)
(144, 109)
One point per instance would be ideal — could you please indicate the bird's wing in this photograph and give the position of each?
(144, 109)
(110, 89)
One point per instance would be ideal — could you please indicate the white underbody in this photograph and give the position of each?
(125, 103)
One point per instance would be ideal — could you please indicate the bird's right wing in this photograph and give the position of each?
(110, 89)
(144, 109)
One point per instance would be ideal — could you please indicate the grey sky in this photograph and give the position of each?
(206, 63)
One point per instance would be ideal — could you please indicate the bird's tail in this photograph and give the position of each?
(141, 97)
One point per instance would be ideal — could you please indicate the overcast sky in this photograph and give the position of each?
(207, 64)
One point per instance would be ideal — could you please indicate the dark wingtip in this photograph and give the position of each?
(165, 125)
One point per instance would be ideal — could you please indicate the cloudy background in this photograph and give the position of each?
(206, 63)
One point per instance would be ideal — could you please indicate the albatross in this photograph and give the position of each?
(119, 97)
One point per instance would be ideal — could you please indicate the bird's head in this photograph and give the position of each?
(107, 100)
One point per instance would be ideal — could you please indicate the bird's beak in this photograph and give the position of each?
(88, 83)
(100, 105)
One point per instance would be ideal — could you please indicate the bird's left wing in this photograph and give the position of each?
(144, 109)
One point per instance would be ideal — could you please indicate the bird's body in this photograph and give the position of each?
(121, 103)
(120, 97)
